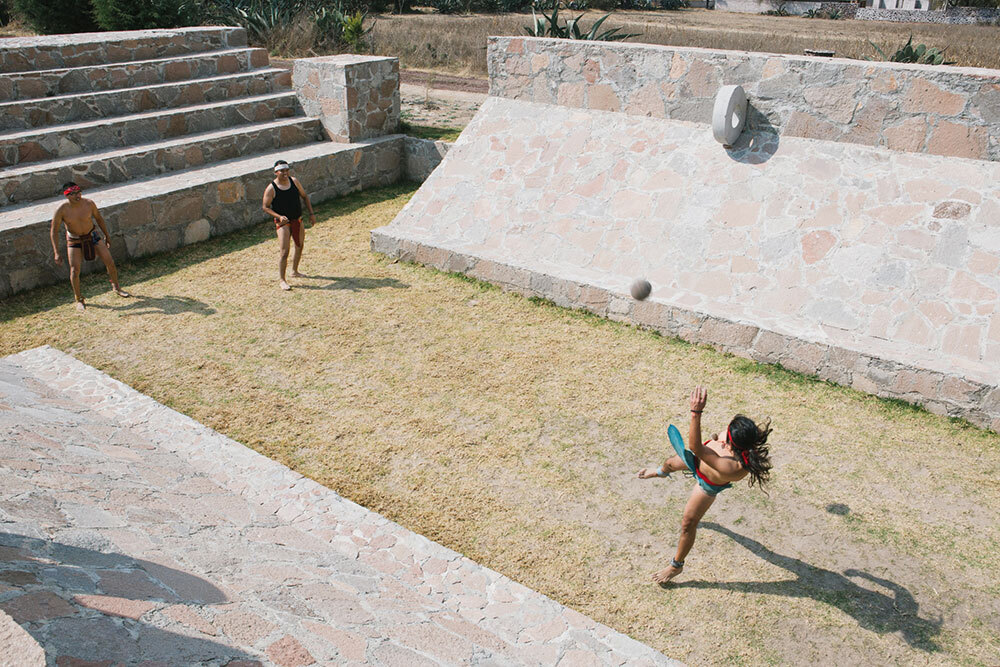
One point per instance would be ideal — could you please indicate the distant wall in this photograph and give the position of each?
(952, 111)
(796, 7)
(963, 15)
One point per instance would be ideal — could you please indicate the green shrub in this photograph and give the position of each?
(500, 6)
(52, 17)
(832, 14)
(353, 31)
(548, 25)
(145, 15)
(4, 12)
(296, 26)
(912, 54)
(448, 6)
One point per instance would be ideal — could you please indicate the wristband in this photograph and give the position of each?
(662, 473)
(697, 412)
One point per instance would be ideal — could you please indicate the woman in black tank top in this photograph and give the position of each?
(284, 204)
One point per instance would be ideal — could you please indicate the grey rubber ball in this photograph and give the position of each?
(640, 289)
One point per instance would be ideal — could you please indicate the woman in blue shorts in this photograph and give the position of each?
(715, 463)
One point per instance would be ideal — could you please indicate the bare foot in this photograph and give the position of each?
(81, 306)
(296, 274)
(666, 574)
(120, 292)
(285, 286)
(647, 473)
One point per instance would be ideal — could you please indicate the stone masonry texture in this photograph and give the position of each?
(355, 97)
(145, 221)
(952, 111)
(20, 54)
(873, 268)
(132, 535)
(173, 134)
(18, 648)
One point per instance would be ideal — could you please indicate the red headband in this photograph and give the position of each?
(73, 189)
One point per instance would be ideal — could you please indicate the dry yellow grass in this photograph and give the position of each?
(511, 431)
(458, 43)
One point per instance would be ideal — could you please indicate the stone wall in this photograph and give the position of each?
(192, 212)
(20, 54)
(829, 253)
(795, 7)
(421, 157)
(956, 15)
(355, 97)
(951, 111)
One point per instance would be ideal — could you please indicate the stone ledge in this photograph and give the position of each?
(940, 393)
(422, 156)
(19, 648)
(24, 54)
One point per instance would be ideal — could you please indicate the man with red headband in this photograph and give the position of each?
(82, 240)
(283, 201)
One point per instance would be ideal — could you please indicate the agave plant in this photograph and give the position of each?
(549, 26)
(912, 54)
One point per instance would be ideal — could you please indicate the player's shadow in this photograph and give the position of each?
(73, 584)
(352, 284)
(163, 305)
(891, 611)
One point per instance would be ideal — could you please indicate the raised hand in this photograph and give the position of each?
(699, 397)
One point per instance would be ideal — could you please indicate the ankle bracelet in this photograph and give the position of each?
(679, 564)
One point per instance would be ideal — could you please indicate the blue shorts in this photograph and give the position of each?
(691, 461)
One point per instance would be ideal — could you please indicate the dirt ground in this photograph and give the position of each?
(512, 431)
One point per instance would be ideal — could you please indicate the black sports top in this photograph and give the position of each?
(287, 202)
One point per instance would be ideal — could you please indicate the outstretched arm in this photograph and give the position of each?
(699, 397)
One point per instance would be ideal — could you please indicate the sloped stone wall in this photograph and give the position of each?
(829, 253)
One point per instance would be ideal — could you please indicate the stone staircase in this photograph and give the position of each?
(172, 133)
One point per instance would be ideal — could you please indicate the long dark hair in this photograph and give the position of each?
(750, 444)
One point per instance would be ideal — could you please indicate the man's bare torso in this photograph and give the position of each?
(77, 216)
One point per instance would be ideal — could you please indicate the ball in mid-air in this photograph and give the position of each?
(640, 289)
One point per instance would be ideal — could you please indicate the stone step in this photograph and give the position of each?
(91, 78)
(43, 179)
(63, 141)
(313, 162)
(24, 54)
(163, 212)
(25, 114)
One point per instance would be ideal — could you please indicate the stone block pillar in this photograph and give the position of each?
(355, 97)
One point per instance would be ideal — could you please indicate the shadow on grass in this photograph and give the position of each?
(893, 611)
(147, 268)
(352, 284)
(164, 305)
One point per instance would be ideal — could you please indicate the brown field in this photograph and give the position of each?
(458, 43)
(512, 430)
